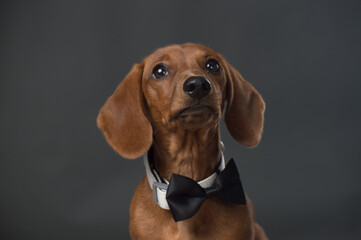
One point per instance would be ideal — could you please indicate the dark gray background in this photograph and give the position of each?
(61, 60)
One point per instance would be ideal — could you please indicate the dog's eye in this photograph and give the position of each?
(160, 71)
(212, 66)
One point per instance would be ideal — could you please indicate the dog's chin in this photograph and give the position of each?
(195, 116)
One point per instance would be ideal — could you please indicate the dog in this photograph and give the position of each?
(168, 109)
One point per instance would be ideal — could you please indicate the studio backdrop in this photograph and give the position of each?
(60, 60)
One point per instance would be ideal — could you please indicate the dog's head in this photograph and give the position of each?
(185, 86)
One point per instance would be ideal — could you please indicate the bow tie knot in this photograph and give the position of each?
(185, 196)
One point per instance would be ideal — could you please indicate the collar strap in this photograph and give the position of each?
(159, 185)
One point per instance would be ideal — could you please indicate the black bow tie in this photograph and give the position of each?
(185, 196)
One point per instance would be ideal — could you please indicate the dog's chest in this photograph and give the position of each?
(215, 220)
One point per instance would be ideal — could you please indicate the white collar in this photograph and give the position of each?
(159, 185)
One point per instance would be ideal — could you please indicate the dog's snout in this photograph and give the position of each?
(197, 87)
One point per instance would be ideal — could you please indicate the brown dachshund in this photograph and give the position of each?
(171, 105)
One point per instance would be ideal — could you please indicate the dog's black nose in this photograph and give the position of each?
(197, 87)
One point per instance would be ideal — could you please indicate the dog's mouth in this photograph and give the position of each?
(194, 111)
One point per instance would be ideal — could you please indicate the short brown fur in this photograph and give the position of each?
(144, 112)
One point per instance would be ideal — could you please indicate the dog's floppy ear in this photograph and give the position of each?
(245, 109)
(122, 118)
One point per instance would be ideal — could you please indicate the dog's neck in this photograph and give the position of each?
(192, 153)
